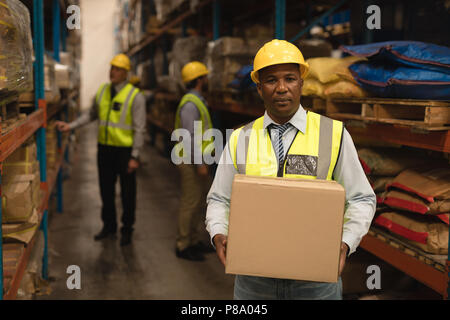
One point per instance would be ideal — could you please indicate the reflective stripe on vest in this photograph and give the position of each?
(115, 116)
(207, 145)
(312, 155)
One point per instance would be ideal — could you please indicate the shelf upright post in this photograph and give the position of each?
(280, 19)
(56, 29)
(448, 269)
(56, 49)
(216, 19)
(38, 43)
(1, 236)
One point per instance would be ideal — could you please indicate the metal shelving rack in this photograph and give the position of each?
(418, 268)
(35, 123)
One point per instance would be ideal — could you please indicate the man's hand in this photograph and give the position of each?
(220, 241)
(62, 126)
(202, 170)
(344, 251)
(133, 164)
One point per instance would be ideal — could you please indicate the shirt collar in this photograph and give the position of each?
(120, 86)
(198, 94)
(298, 120)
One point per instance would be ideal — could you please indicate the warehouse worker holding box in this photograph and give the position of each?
(193, 115)
(120, 109)
(322, 148)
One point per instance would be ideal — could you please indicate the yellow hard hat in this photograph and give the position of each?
(121, 61)
(193, 70)
(278, 52)
(134, 80)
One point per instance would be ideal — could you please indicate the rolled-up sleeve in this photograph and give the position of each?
(139, 123)
(360, 200)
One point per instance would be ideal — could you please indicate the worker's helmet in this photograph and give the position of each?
(135, 80)
(121, 61)
(278, 52)
(193, 70)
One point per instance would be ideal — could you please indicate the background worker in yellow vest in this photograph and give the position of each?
(195, 180)
(120, 109)
(295, 144)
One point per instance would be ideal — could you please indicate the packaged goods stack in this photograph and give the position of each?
(225, 58)
(16, 62)
(412, 194)
(402, 69)
(16, 49)
(184, 50)
(135, 25)
(330, 78)
(165, 7)
(52, 145)
(21, 194)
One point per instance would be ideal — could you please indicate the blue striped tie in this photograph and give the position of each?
(277, 140)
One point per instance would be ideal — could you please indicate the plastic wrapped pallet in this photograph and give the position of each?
(16, 49)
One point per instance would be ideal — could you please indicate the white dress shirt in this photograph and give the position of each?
(360, 200)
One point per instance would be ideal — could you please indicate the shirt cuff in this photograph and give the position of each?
(352, 241)
(135, 153)
(217, 230)
(73, 125)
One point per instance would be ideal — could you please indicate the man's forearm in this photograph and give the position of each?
(139, 124)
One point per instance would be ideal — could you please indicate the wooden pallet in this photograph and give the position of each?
(418, 113)
(436, 261)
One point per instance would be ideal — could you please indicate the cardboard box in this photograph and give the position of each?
(26, 153)
(17, 201)
(17, 168)
(285, 228)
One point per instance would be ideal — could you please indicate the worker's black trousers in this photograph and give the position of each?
(112, 163)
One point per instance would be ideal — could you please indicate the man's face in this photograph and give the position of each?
(117, 75)
(280, 86)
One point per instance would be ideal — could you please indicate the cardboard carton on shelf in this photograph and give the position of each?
(18, 168)
(285, 228)
(17, 202)
(21, 232)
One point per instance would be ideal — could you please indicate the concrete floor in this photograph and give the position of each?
(149, 269)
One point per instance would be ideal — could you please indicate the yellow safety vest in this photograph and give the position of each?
(312, 155)
(115, 116)
(207, 145)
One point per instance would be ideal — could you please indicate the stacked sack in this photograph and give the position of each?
(403, 69)
(331, 78)
(413, 200)
(16, 49)
(21, 194)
